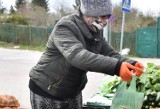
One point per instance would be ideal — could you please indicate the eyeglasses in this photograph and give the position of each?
(105, 17)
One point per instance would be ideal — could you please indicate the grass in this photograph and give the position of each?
(32, 47)
(24, 47)
(8, 45)
(39, 48)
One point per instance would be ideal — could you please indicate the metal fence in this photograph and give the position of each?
(147, 42)
(23, 34)
(129, 41)
(30, 35)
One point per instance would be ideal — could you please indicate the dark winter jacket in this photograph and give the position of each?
(71, 51)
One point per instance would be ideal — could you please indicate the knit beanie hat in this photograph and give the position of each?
(96, 7)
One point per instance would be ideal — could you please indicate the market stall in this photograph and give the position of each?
(147, 91)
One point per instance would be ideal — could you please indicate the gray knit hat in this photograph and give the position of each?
(96, 7)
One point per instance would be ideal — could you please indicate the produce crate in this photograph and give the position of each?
(154, 108)
(96, 107)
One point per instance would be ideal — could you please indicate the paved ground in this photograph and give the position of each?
(16, 64)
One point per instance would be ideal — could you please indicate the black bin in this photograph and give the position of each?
(96, 107)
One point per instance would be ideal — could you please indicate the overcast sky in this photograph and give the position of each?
(142, 5)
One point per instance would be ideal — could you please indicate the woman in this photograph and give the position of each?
(75, 46)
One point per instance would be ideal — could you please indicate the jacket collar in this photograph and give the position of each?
(82, 25)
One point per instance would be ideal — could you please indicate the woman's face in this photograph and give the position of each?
(89, 20)
(95, 23)
(103, 20)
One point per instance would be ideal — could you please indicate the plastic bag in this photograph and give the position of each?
(127, 98)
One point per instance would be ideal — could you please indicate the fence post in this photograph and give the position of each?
(30, 34)
(14, 26)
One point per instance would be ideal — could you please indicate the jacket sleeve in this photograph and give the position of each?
(108, 50)
(75, 53)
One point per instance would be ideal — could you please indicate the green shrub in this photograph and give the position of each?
(17, 20)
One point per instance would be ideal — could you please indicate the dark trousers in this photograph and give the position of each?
(40, 102)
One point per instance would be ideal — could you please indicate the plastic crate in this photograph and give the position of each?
(96, 107)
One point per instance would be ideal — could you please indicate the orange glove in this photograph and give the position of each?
(126, 73)
(139, 65)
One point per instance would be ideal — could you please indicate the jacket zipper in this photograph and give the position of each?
(54, 83)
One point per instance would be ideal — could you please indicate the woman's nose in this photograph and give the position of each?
(104, 21)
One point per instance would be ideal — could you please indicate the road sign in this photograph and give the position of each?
(126, 5)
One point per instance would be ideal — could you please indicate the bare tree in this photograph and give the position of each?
(36, 15)
(133, 20)
(12, 10)
(41, 3)
(62, 8)
(2, 9)
(20, 4)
